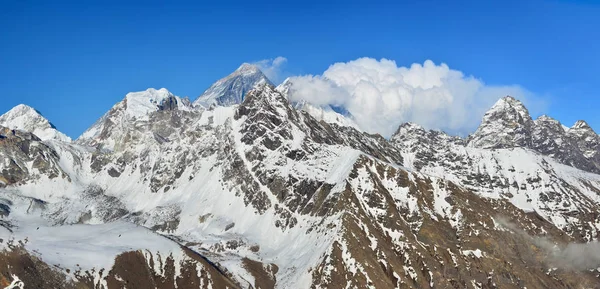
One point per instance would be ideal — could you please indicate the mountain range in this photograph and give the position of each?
(242, 188)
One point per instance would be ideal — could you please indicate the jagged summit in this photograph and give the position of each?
(26, 118)
(232, 89)
(407, 126)
(508, 106)
(546, 118)
(581, 124)
(586, 140)
(506, 124)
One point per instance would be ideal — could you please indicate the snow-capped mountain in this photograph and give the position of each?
(508, 125)
(135, 107)
(585, 139)
(262, 194)
(232, 89)
(26, 118)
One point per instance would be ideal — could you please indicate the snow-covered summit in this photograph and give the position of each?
(232, 89)
(136, 106)
(247, 69)
(140, 104)
(26, 118)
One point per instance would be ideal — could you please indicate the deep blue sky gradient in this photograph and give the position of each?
(73, 60)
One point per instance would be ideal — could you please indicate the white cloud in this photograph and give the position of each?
(380, 95)
(272, 68)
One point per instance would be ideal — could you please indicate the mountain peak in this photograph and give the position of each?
(407, 128)
(21, 110)
(136, 106)
(150, 93)
(506, 124)
(284, 87)
(140, 104)
(509, 103)
(24, 108)
(26, 118)
(547, 119)
(248, 68)
(581, 124)
(232, 89)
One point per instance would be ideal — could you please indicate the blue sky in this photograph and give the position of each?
(74, 60)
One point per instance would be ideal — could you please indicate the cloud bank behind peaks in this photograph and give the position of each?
(381, 95)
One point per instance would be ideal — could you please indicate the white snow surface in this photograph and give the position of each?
(140, 104)
(86, 247)
(16, 283)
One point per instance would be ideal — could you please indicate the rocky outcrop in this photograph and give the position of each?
(26, 158)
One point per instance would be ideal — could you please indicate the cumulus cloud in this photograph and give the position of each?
(272, 68)
(381, 95)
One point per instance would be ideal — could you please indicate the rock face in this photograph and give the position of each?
(233, 88)
(26, 158)
(262, 194)
(585, 139)
(506, 124)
